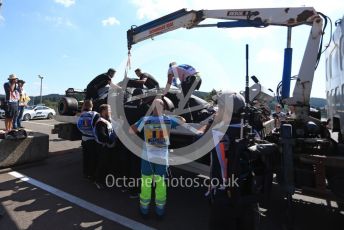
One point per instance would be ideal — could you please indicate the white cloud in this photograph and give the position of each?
(65, 3)
(152, 9)
(269, 56)
(110, 21)
(59, 21)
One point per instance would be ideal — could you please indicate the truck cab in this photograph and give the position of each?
(335, 80)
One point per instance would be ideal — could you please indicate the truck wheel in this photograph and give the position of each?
(68, 106)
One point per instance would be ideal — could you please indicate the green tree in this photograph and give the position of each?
(210, 95)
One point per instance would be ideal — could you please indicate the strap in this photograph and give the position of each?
(141, 125)
(128, 65)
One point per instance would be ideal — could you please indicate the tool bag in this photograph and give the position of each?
(16, 134)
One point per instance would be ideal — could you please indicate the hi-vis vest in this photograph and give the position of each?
(111, 133)
(85, 125)
(156, 130)
(157, 136)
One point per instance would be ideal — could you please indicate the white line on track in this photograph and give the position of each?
(132, 224)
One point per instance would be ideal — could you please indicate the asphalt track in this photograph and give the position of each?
(52, 194)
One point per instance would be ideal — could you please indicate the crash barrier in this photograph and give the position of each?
(15, 152)
(67, 131)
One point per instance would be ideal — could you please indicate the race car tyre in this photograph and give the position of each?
(168, 104)
(68, 106)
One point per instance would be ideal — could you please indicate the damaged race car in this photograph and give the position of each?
(136, 103)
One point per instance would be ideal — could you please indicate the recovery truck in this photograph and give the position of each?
(335, 80)
(335, 97)
(310, 161)
(309, 158)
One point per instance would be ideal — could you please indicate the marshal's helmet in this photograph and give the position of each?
(222, 98)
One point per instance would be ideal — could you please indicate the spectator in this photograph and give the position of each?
(291, 112)
(86, 124)
(23, 100)
(278, 115)
(106, 138)
(11, 100)
(146, 79)
(156, 132)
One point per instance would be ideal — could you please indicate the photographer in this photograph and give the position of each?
(11, 101)
(229, 168)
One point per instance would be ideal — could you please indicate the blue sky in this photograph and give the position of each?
(69, 42)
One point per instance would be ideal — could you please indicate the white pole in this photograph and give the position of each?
(40, 77)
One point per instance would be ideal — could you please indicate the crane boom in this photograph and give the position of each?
(247, 17)
(260, 17)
